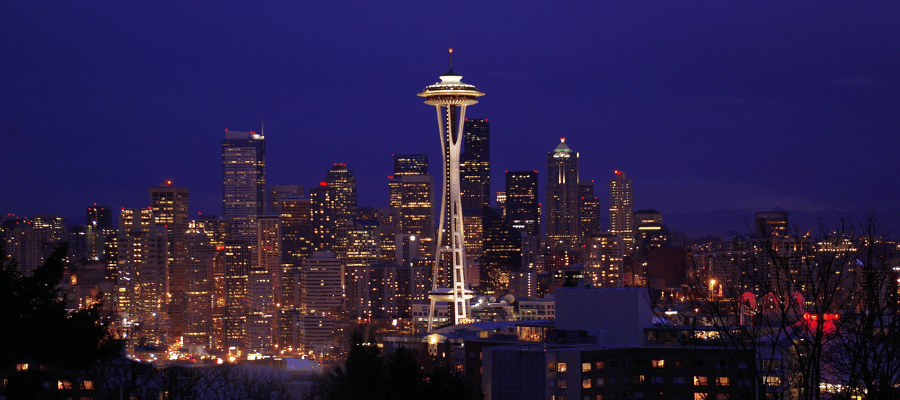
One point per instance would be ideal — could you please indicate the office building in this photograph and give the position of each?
(522, 210)
(772, 224)
(563, 206)
(502, 253)
(277, 193)
(475, 164)
(323, 209)
(243, 181)
(621, 210)
(170, 211)
(142, 284)
(410, 164)
(99, 216)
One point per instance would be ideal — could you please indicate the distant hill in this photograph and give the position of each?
(723, 222)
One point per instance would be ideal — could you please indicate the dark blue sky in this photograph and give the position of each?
(705, 105)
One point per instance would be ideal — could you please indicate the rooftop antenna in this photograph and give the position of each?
(262, 129)
(451, 59)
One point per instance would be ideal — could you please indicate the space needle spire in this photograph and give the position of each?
(450, 97)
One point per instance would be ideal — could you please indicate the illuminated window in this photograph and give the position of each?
(722, 381)
(63, 385)
(585, 383)
(585, 367)
(562, 384)
(773, 380)
(21, 367)
(722, 396)
(658, 363)
(639, 379)
(700, 396)
(598, 397)
(599, 365)
(561, 367)
(700, 381)
(88, 385)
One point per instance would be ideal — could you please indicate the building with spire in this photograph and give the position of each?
(450, 97)
(563, 207)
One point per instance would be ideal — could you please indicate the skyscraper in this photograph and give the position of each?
(277, 193)
(450, 97)
(199, 286)
(621, 210)
(143, 277)
(99, 216)
(410, 164)
(522, 209)
(588, 211)
(243, 181)
(563, 219)
(170, 211)
(475, 164)
(502, 252)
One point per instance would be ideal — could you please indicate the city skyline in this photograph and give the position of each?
(704, 107)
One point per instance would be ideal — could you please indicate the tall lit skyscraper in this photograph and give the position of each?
(522, 208)
(563, 219)
(621, 210)
(170, 211)
(450, 97)
(588, 211)
(199, 286)
(143, 277)
(475, 164)
(265, 287)
(342, 181)
(410, 164)
(99, 216)
(323, 218)
(243, 181)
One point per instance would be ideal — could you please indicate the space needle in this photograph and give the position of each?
(450, 97)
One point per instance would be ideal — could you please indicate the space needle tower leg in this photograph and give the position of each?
(446, 95)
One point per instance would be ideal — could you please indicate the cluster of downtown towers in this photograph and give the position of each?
(280, 268)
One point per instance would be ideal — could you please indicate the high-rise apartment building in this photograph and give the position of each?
(321, 299)
(170, 211)
(522, 210)
(342, 181)
(621, 210)
(243, 181)
(603, 260)
(563, 206)
(475, 164)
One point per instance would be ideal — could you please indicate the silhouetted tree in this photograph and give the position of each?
(38, 331)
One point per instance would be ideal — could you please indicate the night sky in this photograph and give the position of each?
(705, 105)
